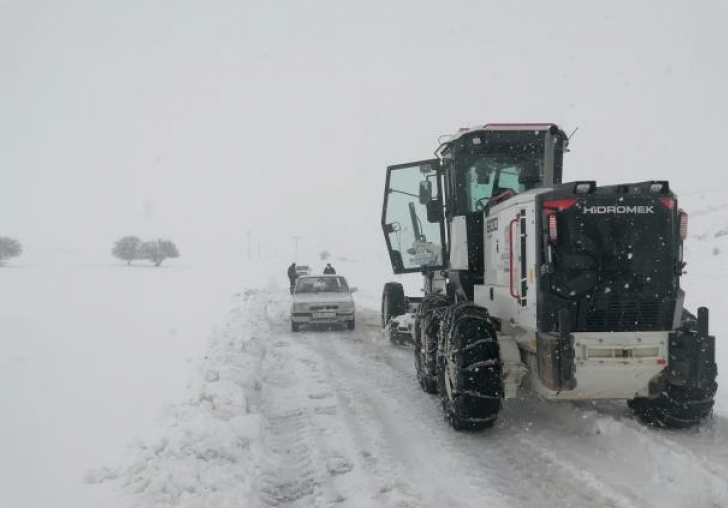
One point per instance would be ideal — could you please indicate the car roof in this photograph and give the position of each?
(322, 276)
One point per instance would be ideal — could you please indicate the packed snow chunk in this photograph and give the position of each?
(224, 399)
(338, 465)
(202, 454)
(604, 426)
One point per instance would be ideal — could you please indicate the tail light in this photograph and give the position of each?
(668, 203)
(683, 224)
(553, 234)
(550, 209)
(560, 204)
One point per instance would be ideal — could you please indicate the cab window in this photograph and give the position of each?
(492, 175)
(508, 180)
(479, 178)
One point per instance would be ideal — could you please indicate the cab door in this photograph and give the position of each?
(509, 290)
(523, 264)
(415, 238)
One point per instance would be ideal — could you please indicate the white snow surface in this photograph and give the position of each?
(183, 387)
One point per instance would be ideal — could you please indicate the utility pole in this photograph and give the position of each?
(295, 242)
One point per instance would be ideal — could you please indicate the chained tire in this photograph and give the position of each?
(686, 404)
(426, 330)
(688, 322)
(676, 407)
(393, 302)
(469, 368)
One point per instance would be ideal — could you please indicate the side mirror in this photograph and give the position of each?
(435, 213)
(353, 289)
(425, 192)
(392, 227)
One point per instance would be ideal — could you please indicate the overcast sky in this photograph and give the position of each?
(200, 120)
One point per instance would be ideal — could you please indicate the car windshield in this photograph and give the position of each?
(322, 284)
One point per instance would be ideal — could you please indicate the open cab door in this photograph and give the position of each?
(412, 217)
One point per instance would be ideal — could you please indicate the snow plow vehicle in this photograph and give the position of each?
(571, 290)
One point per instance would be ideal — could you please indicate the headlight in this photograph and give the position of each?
(346, 307)
(299, 307)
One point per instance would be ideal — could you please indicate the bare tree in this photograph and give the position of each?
(127, 249)
(157, 251)
(9, 248)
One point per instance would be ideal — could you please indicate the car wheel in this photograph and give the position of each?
(295, 326)
(351, 324)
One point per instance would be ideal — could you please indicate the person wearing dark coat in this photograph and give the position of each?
(292, 275)
(329, 269)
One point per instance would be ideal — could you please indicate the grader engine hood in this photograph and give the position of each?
(612, 255)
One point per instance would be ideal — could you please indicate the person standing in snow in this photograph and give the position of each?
(292, 275)
(329, 269)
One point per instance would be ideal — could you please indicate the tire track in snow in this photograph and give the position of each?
(540, 453)
(287, 475)
(449, 466)
(706, 445)
(546, 469)
(601, 440)
(368, 430)
(306, 458)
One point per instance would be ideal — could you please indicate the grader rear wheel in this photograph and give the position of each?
(470, 371)
(682, 402)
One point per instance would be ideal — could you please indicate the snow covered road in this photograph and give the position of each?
(335, 418)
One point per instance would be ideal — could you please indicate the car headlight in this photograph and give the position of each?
(299, 307)
(346, 307)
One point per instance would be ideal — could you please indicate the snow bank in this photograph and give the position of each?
(203, 453)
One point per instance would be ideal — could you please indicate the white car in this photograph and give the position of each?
(322, 299)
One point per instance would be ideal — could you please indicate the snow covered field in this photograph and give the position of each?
(89, 357)
(183, 386)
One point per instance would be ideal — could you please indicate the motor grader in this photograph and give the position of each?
(571, 290)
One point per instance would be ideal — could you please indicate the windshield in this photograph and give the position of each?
(489, 175)
(321, 285)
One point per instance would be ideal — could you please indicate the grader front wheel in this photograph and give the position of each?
(427, 327)
(393, 302)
